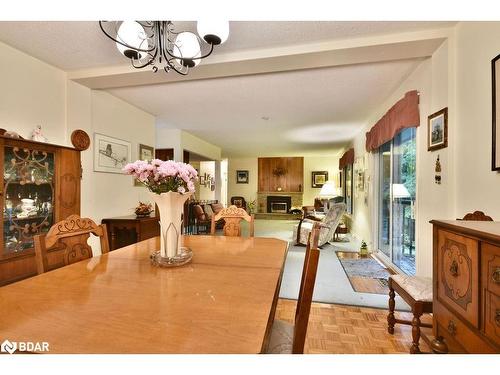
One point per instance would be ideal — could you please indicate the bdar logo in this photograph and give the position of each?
(8, 347)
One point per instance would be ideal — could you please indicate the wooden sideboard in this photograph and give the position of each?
(466, 302)
(127, 230)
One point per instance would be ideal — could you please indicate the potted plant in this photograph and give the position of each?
(363, 250)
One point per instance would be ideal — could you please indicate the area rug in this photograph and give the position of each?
(332, 284)
(365, 274)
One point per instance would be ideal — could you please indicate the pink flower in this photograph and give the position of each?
(181, 189)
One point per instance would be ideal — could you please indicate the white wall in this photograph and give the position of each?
(247, 191)
(430, 78)
(318, 163)
(477, 43)
(35, 93)
(32, 93)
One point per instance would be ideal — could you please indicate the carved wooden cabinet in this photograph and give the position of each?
(127, 230)
(466, 302)
(41, 185)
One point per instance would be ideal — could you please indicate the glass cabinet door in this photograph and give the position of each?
(28, 197)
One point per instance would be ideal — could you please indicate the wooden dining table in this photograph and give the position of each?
(223, 301)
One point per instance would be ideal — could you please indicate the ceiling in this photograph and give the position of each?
(310, 111)
(252, 99)
(72, 45)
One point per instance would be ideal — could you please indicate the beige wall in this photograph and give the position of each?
(476, 185)
(249, 191)
(32, 93)
(318, 163)
(35, 93)
(430, 78)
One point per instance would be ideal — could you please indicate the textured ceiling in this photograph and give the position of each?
(310, 111)
(75, 45)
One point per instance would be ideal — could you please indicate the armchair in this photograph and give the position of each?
(327, 226)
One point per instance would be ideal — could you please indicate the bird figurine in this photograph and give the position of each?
(37, 134)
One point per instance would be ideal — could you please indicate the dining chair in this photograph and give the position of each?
(289, 338)
(232, 216)
(70, 236)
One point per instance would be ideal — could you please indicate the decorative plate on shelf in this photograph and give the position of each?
(80, 139)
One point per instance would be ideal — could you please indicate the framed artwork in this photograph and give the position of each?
(495, 155)
(146, 153)
(437, 130)
(242, 177)
(110, 154)
(319, 178)
(202, 180)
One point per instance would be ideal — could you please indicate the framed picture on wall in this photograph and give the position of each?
(110, 154)
(319, 178)
(495, 155)
(437, 130)
(146, 153)
(242, 177)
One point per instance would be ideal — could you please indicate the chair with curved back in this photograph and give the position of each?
(239, 202)
(232, 216)
(70, 236)
(328, 225)
(286, 338)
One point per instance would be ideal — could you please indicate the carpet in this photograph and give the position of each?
(332, 284)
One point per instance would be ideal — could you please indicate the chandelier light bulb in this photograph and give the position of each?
(132, 34)
(187, 46)
(213, 32)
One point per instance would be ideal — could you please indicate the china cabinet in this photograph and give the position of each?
(41, 186)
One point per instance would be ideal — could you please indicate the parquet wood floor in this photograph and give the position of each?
(340, 329)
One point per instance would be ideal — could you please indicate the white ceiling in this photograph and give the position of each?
(72, 45)
(310, 111)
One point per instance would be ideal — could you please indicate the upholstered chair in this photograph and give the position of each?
(327, 226)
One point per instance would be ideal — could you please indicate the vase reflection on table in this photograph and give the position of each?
(170, 184)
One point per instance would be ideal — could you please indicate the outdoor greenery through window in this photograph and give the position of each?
(397, 193)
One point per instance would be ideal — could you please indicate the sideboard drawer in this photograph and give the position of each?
(491, 268)
(492, 317)
(455, 331)
(457, 272)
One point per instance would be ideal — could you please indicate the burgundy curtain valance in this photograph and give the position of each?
(346, 159)
(403, 114)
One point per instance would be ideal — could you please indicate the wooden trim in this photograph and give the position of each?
(470, 232)
(37, 144)
(494, 167)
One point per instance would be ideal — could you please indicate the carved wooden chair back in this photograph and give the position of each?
(69, 235)
(232, 216)
(477, 216)
(306, 290)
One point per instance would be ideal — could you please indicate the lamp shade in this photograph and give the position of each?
(213, 32)
(132, 34)
(400, 191)
(187, 47)
(329, 189)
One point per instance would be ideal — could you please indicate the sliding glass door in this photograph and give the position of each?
(396, 202)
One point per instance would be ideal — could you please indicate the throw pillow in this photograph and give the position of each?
(208, 211)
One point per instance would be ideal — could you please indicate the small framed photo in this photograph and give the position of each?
(242, 177)
(437, 130)
(110, 154)
(319, 178)
(202, 180)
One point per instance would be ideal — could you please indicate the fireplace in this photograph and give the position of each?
(279, 204)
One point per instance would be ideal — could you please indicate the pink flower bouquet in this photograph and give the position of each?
(163, 176)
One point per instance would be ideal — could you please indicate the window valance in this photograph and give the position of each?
(346, 159)
(403, 114)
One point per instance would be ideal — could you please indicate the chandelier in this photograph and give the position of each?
(158, 45)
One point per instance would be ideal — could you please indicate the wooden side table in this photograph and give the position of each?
(127, 230)
(339, 230)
